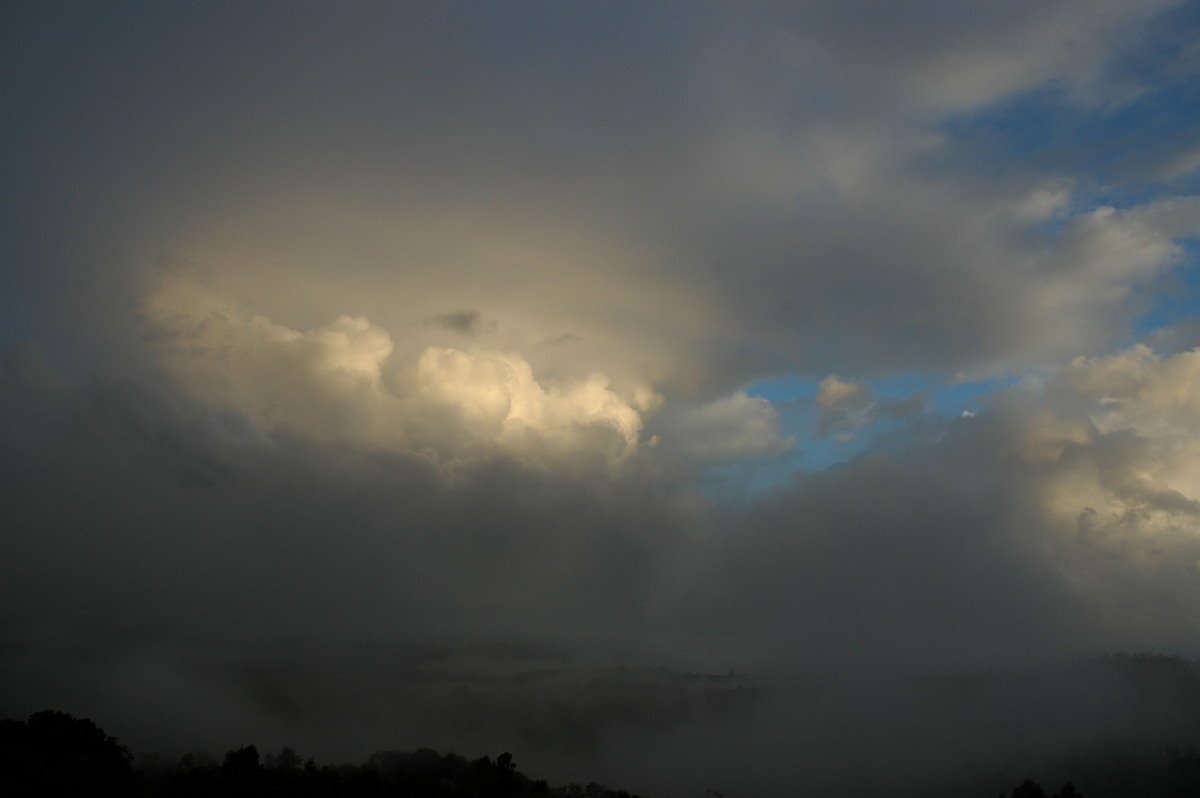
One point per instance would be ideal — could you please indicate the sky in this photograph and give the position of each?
(586, 379)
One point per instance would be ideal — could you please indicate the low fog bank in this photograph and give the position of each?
(1109, 725)
(1116, 725)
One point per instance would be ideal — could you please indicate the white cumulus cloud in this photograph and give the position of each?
(328, 383)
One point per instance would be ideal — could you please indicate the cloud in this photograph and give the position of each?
(465, 322)
(844, 406)
(1140, 390)
(495, 398)
(328, 383)
(1180, 165)
(1102, 257)
(951, 57)
(732, 428)
(737, 181)
(325, 381)
(1114, 449)
(1141, 408)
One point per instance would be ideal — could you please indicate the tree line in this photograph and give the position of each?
(54, 753)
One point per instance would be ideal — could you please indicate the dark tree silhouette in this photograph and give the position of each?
(241, 763)
(288, 759)
(56, 752)
(1029, 789)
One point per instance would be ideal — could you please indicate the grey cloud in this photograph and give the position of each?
(844, 407)
(957, 56)
(688, 149)
(464, 322)
(729, 429)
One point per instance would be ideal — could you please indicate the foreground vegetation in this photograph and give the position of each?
(56, 753)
